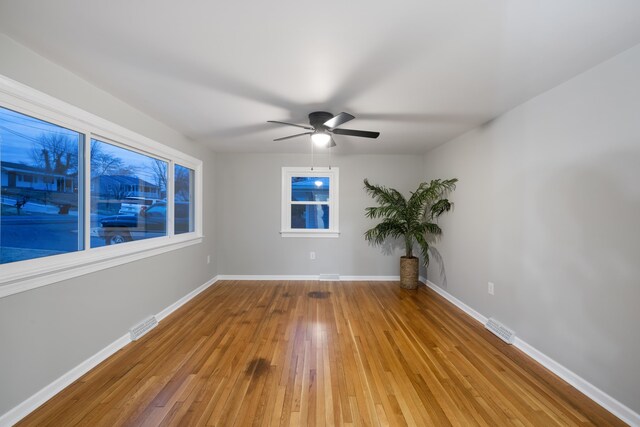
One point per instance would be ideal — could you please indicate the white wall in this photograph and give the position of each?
(47, 331)
(248, 187)
(548, 208)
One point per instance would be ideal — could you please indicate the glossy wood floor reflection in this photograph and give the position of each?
(319, 353)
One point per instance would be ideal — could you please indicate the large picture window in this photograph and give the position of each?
(41, 204)
(309, 202)
(80, 194)
(128, 193)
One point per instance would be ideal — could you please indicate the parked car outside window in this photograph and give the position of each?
(151, 222)
(135, 205)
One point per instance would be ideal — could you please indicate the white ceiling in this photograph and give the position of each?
(420, 72)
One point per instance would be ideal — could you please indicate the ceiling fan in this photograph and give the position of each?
(324, 124)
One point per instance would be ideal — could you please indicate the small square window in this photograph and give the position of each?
(309, 202)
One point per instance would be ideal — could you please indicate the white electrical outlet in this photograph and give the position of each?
(312, 255)
(208, 259)
(490, 288)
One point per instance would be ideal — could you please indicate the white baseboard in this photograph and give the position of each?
(265, 277)
(25, 408)
(618, 409)
(304, 277)
(455, 301)
(370, 278)
(32, 403)
(176, 305)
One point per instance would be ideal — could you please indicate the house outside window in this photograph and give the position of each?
(41, 215)
(115, 190)
(310, 202)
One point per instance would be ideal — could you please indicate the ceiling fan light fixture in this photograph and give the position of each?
(323, 124)
(321, 139)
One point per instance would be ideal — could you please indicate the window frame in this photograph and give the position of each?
(23, 275)
(333, 173)
(94, 136)
(192, 203)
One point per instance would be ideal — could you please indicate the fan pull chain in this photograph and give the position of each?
(330, 150)
(311, 153)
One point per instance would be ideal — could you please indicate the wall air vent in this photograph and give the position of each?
(329, 277)
(143, 327)
(501, 331)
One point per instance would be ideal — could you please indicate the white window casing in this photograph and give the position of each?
(334, 227)
(29, 274)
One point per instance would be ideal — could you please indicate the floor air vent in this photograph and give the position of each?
(143, 327)
(501, 331)
(329, 277)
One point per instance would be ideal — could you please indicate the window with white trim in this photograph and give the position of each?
(40, 217)
(310, 202)
(128, 195)
(80, 194)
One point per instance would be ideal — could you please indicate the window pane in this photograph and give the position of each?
(184, 200)
(40, 197)
(128, 195)
(310, 216)
(309, 189)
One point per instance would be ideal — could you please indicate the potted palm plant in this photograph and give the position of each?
(413, 220)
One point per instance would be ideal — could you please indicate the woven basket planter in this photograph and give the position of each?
(408, 272)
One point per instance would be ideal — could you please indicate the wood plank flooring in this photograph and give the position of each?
(319, 353)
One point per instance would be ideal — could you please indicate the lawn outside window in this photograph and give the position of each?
(310, 202)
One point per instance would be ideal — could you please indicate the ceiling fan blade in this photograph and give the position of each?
(293, 136)
(338, 120)
(290, 124)
(353, 132)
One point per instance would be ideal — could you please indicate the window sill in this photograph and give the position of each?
(30, 274)
(310, 233)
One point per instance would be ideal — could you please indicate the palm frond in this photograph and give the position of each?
(387, 228)
(383, 195)
(382, 212)
(429, 228)
(429, 194)
(440, 207)
(424, 247)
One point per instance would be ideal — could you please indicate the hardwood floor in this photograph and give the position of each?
(319, 353)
